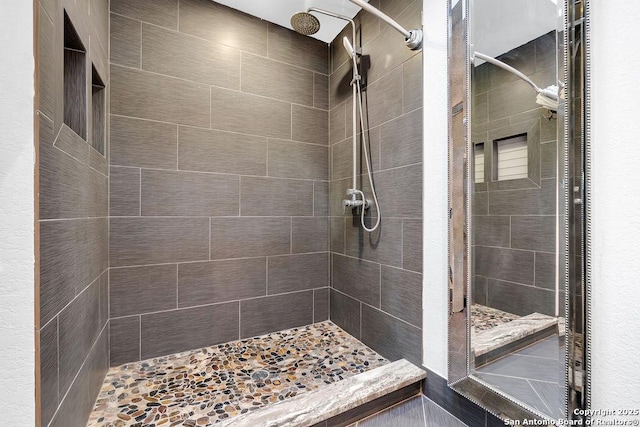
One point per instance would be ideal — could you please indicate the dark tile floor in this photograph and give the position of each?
(533, 375)
(415, 412)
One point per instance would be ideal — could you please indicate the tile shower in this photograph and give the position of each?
(214, 214)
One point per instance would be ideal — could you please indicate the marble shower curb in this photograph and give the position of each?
(328, 401)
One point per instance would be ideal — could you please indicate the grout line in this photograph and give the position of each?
(177, 286)
(140, 336)
(141, 37)
(140, 193)
(239, 197)
(267, 275)
(239, 320)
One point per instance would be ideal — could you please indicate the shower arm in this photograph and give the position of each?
(508, 68)
(413, 38)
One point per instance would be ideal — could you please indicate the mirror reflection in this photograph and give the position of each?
(517, 310)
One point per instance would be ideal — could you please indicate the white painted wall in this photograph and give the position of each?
(615, 201)
(434, 199)
(17, 361)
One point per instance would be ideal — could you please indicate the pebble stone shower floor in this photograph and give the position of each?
(206, 386)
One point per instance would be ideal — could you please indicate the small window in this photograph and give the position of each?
(99, 113)
(75, 80)
(478, 156)
(510, 158)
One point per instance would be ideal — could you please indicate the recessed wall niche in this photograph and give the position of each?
(75, 80)
(98, 111)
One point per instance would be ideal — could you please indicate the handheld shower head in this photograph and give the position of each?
(348, 47)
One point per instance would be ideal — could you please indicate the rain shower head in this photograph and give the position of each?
(305, 23)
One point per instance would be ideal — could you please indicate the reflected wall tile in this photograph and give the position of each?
(357, 278)
(345, 312)
(126, 41)
(124, 192)
(124, 340)
(161, 12)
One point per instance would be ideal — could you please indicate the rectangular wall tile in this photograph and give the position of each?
(73, 254)
(345, 312)
(141, 241)
(189, 194)
(412, 83)
(412, 244)
(68, 187)
(151, 96)
(273, 79)
(275, 197)
(274, 313)
(124, 340)
(540, 201)
(546, 270)
(310, 125)
(383, 100)
(220, 281)
(357, 278)
(136, 290)
(249, 237)
(164, 333)
(290, 273)
(295, 160)
(401, 141)
(321, 91)
(390, 337)
(320, 305)
(216, 22)
(161, 12)
(179, 55)
(480, 203)
(342, 159)
(320, 198)
(269, 117)
(126, 40)
(384, 245)
(49, 371)
(222, 152)
(310, 234)
(72, 144)
(296, 49)
(505, 264)
(337, 234)
(548, 160)
(536, 233)
(492, 231)
(402, 294)
(400, 191)
(143, 143)
(46, 73)
(78, 328)
(519, 299)
(337, 124)
(124, 192)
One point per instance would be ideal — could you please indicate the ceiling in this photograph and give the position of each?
(280, 12)
(500, 25)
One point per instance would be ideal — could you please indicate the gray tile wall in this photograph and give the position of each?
(376, 286)
(73, 223)
(219, 154)
(514, 229)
